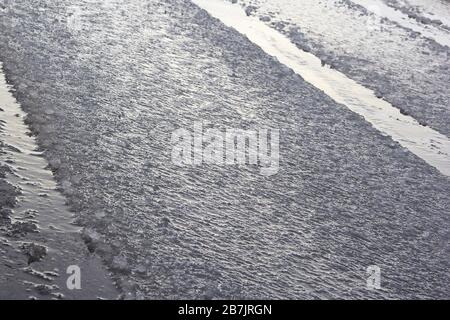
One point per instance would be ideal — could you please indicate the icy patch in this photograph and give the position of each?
(40, 225)
(29, 167)
(424, 142)
(436, 11)
(379, 8)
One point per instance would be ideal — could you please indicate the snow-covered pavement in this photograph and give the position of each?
(104, 85)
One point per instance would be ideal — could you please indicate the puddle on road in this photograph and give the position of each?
(37, 184)
(426, 143)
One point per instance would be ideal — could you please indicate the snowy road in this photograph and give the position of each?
(105, 84)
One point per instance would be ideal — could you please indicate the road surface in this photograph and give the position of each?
(105, 84)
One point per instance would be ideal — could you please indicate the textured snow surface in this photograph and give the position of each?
(104, 93)
(375, 47)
